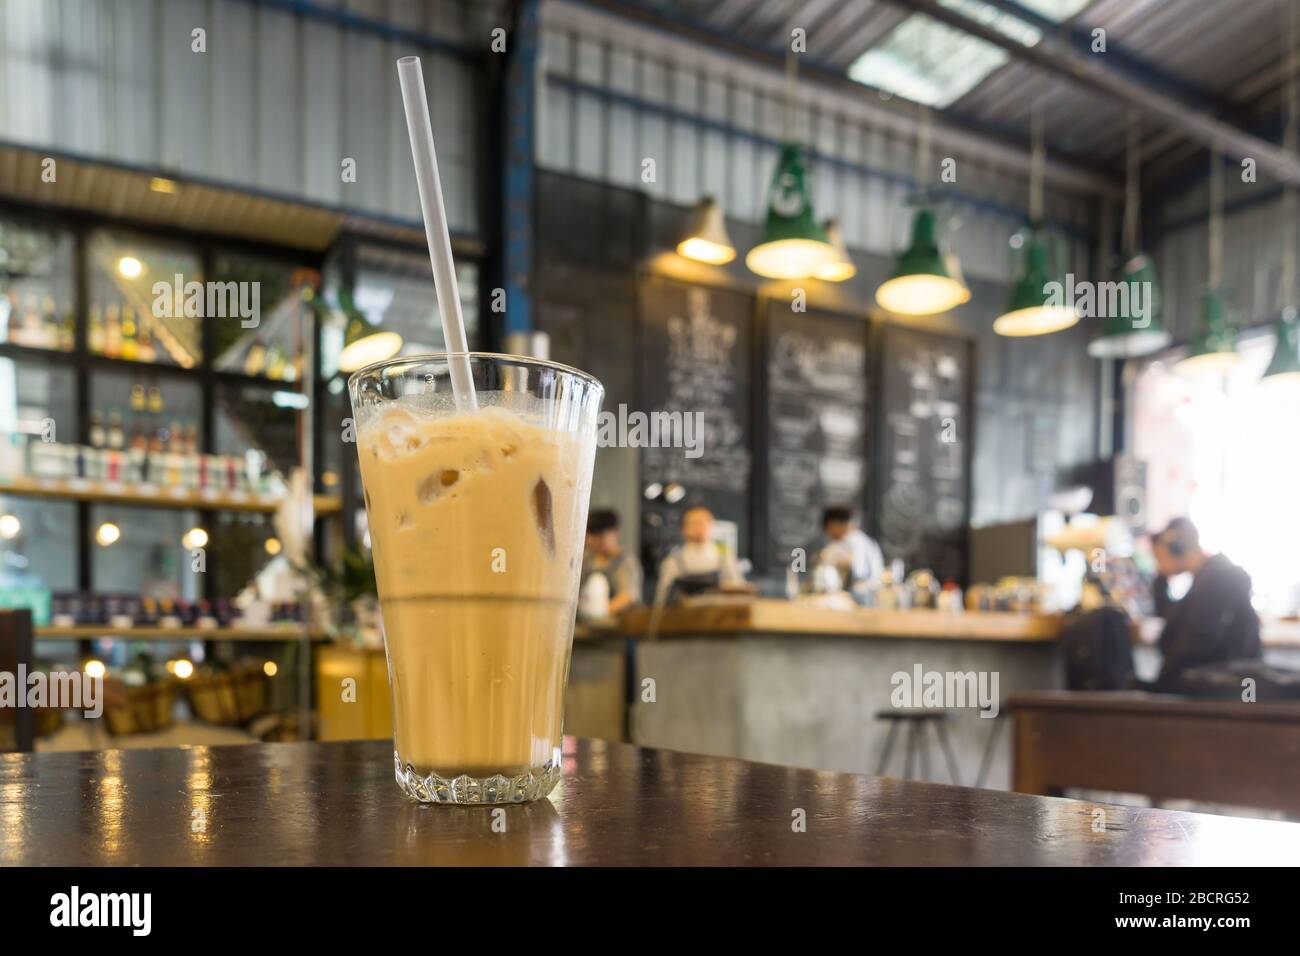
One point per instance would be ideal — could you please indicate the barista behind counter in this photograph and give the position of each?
(604, 557)
(697, 564)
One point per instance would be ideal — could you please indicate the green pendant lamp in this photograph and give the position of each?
(921, 283)
(1037, 306)
(1285, 367)
(1214, 347)
(1135, 329)
(793, 246)
(840, 267)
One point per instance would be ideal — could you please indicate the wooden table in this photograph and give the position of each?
(336, 803)
(1221, 751)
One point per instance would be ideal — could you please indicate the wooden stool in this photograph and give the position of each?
(916, 718)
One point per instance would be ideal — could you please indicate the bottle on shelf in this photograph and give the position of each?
(129, 345)
(116, 436)
(137, 455)
(145, 349)
(276, 363)
(67, 331)
(33, 329)
(98, 437)
(95, 335)
(255, 360)
(112, 332)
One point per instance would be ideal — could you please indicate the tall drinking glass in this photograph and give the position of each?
(477, 523)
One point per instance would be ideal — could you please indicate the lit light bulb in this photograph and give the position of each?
(195, 538)
(95, 669)
(107, 533)
(9, 527)
(184, 670)
(130, 267)
(272, 546)
(270, 669)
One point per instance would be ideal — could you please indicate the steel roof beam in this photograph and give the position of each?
(1052, 57)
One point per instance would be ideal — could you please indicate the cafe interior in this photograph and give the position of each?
(960, 335)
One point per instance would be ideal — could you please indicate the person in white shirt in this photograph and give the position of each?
(697, 559)
(849, 548)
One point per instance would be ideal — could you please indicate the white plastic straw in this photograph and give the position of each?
(420, 129)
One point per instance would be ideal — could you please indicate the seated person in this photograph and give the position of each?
(604, 555)
(855, 555)
(697, 563)
(1214, 621)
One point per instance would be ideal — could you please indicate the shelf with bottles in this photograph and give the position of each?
(36, 323)
(137, 307)
(36, 286)
(79, 616)
(272, 344)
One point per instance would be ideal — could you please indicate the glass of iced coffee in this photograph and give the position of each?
(477, 519)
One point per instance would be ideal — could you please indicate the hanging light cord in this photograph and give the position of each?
(791, 73)
(922, 148)
(1132, 189)
(1216, 218)
(1037, 157)
(1289, 140)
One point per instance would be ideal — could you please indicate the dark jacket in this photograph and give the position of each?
(1214, 622)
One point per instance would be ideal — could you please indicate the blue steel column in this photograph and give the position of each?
(517, 207)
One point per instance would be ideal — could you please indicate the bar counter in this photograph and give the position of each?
(801, 682)
(336, 804)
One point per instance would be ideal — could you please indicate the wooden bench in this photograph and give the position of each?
(1163, 746)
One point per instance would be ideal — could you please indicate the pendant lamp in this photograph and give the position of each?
(1036, 306)
(839, 267)
(707, 239)
(921, 283)
(1284, 369)
(793, 245)
(1135, 329)
(364, 342)
(1214, 347)
(1285, 366)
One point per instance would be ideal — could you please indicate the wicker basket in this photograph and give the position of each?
(142, 710)
(228, 697)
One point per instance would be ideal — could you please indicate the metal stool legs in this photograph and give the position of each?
(915, 750)
(889, 748)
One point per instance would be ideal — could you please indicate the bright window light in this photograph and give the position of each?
(935, 64)
(1220, 449)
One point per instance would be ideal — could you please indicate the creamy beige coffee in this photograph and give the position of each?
(476, 524)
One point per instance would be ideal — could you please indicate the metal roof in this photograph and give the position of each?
(1225, 58)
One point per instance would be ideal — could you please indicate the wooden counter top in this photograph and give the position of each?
(767, 616)
(336, 804)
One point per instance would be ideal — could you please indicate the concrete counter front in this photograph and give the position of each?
(800, 684)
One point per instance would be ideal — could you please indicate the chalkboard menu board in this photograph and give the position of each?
(696, 350)
(816, 410)
(923, 477)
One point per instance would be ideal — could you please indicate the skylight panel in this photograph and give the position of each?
(935, 64)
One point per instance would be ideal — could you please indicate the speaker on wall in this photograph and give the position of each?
(1119, 488)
